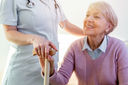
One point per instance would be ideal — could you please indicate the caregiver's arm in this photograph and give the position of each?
(19, 38)
(71, 28)
(16, 37)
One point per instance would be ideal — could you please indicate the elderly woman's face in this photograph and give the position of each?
(95, 23)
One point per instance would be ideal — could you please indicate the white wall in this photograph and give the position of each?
(4, 45)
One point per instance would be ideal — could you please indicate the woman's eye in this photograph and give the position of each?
(96, 17)
(87, 15)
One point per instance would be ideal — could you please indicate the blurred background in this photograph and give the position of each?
(75, 11)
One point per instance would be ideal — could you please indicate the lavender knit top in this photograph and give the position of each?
(110, 68)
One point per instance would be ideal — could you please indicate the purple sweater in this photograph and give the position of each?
(110, 68)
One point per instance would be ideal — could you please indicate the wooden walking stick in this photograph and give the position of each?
(47, 66)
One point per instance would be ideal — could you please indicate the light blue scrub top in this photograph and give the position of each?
(42, 19)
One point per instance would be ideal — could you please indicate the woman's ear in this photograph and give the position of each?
(108, 29)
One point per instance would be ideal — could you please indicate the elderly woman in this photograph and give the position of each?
(97, 59)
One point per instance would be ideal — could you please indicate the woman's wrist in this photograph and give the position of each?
(32, 38)
(52, 72)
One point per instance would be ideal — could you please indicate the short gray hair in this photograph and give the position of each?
(107, 12)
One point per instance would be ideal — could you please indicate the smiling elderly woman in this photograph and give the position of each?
(97, 59)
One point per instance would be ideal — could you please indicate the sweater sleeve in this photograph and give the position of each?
(62, 76)
(122, 63)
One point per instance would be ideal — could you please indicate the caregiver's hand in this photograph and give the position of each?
(42, 46)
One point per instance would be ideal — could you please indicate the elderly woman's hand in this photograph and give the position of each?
(42, 46)
(51, 61)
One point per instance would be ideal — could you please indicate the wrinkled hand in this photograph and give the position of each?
(42, 46)
(51, 61)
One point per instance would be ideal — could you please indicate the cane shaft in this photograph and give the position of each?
(47, 66)
(46, 72)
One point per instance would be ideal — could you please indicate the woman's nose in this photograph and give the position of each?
(90, 19)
